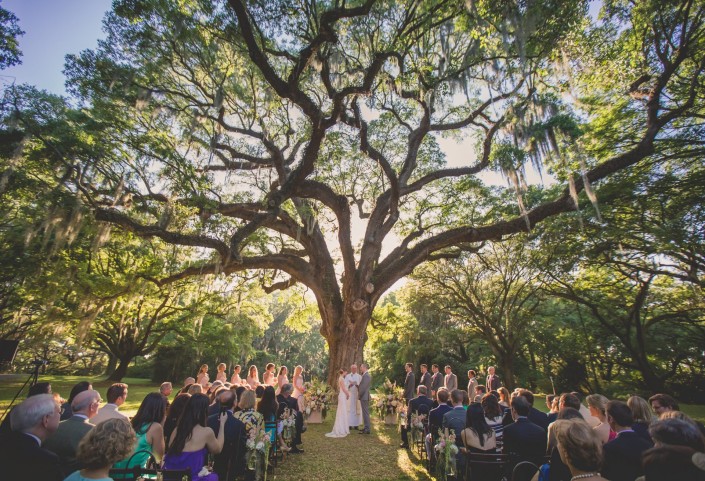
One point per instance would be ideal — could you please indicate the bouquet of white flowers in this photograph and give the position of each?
(258, 444)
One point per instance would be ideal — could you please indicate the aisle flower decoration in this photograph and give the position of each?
(257, 455)
(389, 399)
(317, 396)
(417, 426)
(446, 449)
(288, 421)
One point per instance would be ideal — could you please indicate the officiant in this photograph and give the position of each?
(352, 381)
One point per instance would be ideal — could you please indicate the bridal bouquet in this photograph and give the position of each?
(389, 399)
(446, 449)
(258, 444)
(316, 397)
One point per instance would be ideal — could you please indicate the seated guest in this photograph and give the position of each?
(504, 398)
(421, 404)
(643, 416)
(286, 398)
(552, 411)
(597, 404)
(268, 407)
(559, 470)
(660, 403)
(173, 413)
(493, 416)
(238, 392)
(480, 391)
(677, 432)
(78, 388)
(666, 462)
(435, 419)
(523, 440)
(195, 389)
(64, 442)
(214, 407)
(683, 416)
(39, 388)
(116, 395)
(623, 454)
(454, 421)
(147, 425)
(165, 390)
(589, 418)
(247, 414)
(535, 416)
(231, 460)
(22, 455)
(108, 442)
(478, 436)
(579, 448)
(192, 440)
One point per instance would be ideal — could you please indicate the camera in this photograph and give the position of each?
(40, 362)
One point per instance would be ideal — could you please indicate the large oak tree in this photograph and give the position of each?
(263, 132)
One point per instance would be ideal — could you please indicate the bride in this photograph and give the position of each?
(341, 427)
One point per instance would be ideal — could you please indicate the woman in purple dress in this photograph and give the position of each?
(192, 440)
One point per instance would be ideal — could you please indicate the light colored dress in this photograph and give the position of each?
(281, 380)
(221, 377)
(236, 379)
(354, 412)
(298, 393)
(202, 379)
(341, 428)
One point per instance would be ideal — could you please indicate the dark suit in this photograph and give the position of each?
(436, 382)
(493, 383)
(426, 381)
(525, 441)
(64, 442)
(418, 405)
(409, 385)
(454, 420)
(435, 418)
(623, 457)
(21, 457)
(232, 458)
(538, 418)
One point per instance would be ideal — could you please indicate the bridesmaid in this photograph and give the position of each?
(268, 378)
(236, 380)
(299, 389)
(253, 378)
(202, 377)
(282, 378)
(221, 373)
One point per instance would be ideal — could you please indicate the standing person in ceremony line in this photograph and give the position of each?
(352, 381)
(202, 377)
(253, 377)
(426, 379)
(450, 381)
(236, 380)
(269, 378)
(493, 382)
(341, 426)
(364, 397)
(282, 379)
(299, 389)
(472, 386)
(436, 380)
(221, 376)
(409, 382)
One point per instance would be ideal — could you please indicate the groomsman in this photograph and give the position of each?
(493, 382)
(425, 378)
(436, 380)
(472, 385)
(450, 381)
(409, 382)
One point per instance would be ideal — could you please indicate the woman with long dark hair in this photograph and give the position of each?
(493, 415)
(192, 440)
(173, 414)
(478, 436)
(268, 407)
(147, 424)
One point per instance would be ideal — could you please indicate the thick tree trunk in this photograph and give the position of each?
(112, 364)
(345, 346)
(506, 364)
(121, 370)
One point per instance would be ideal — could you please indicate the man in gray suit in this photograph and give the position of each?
(363, 394)
(450, 381)
(409, 383)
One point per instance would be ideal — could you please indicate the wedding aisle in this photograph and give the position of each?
(357, 457)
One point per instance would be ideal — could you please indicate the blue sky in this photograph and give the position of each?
(53, 28)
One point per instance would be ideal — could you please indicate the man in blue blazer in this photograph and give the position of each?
(231, 460)
(421, 404)
(523, 440)
(623, 453)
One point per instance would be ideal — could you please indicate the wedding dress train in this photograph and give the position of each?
(341, 428)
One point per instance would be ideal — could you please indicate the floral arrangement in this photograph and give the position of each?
(389, 399)
(417, 425)
(317, 396)
(258, 444)
(288, 422)
(446, 449)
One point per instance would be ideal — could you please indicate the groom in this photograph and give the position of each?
(363, 394)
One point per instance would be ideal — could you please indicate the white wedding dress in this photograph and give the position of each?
(341, 428)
